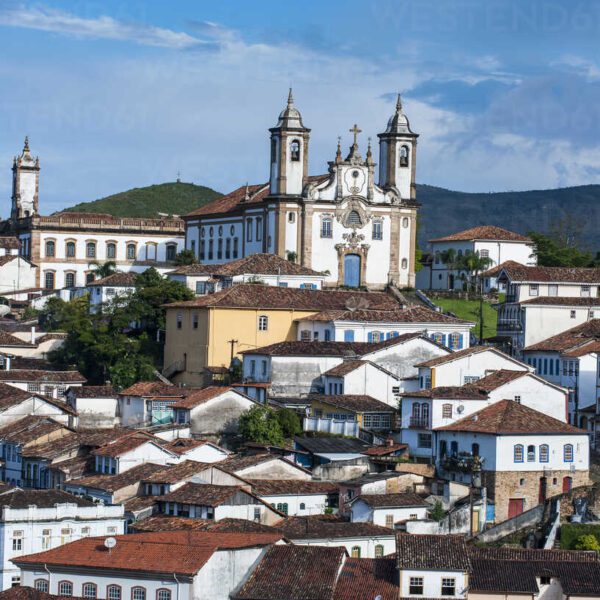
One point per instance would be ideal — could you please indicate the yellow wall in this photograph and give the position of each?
(208, 344)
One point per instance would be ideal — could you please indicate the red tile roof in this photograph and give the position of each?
(112, 483)
(463, 392)
(42, 376)
(168, 523)
(31, 428)
(204, 494)
(509, 417)
(116, 280)
(359, 403)
(432, 552)
(9, 242)
(233, 201)
(519, 273)
(180, 472)
(151, 389)
(328, 527)
(452, 356)
(383, 450)
(200, 396)
(7, 339)
(562, 301)
(180, 552)
(290, 487)
(93, 391)
(366, 579)
(404, 499)
(345, 367)
(484, 233)
(125, 444)
(411, 314)
(497, 379)
(184, 445)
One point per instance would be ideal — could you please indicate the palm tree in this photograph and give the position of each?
(473, 265)
(102, 270)
(452, 261)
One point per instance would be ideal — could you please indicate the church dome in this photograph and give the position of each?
(398, 122)
(290, 117)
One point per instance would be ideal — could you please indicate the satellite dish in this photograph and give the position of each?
(379, 597)
(110, 543)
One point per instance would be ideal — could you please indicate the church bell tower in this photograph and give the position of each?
(25, 189)
(289, 152)
(398, 155)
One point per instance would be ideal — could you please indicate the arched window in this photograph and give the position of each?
(405, 222)
(291, 217)
(228, 248)
(518, 453)
(404, 263)
(404, 152)
(273, 150)
(41, 585)
(50, 248)
(90, 250)
(568, 452)
(138, 593)
(416, 411)
(69, 280)
(295, 150)
(111, 250)
(354, 218)
(544, 453)
(425, 413)
(235, 247)
(446, 411)
(49, 280)
(302, 506)
(326, 227)
(531, 453)
(65, 588)
(70, 249)
(355, 552)
(263, 323)
(171, 252)
(438, 337)
(163, 594)
(89, 277)
(131, 252)
(113, 592)
(475, 449)
(249, 230)
(89, 590)
(378, 551)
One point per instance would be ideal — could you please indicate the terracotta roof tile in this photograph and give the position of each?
(383, 450)
(497, 379)
(112, 483)
(9, 242)
(411, 314)
(463, 392)
(22, 592)
(195, 397)
(562, 301)
(168, 523)
(19, 499)
(93, 391)
(328, 526)
(486, 233)
(180, 552)
(392, 500)
(29, 429)
(345, 367)
(452, 356)
(358, 403)
(233, 201)
(183, 445)
(42, 376)
(519, 273)
(203, 494)
(152, 389)
(509, 417)
(366, 579)
(125, 443)
(179, 472)
(432, 552)
(290, 487)
(118, 279)
(7, 339)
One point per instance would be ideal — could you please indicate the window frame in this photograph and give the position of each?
(568, 453)
(136, 588)
(89, 583)
(544, 453)
(111, 250)
(91, 249)
(68, 244)
(518, 450)
(114, 586)
(263, 323)
(128, 254)
(415, 584)
(448, 586)
(64, 582)
(41, 588)
(47, 243)
(165, 591)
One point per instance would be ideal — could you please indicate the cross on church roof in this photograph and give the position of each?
(355, 130)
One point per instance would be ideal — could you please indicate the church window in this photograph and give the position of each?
(354, 218)
(69, 280)
(455, 341)
(249, 230)
(291, 217)
(326, 227)
(405, 222)
(70, 249)
(258, 229)
(211, 231)
(90, 250)
(49, 280)
(235, 247)
(404, 263)
(404, 156)
(263, 323)
(210, 249)
(295, 150)
(171, 251)
(377, 230)
(65, 588)
(220, 230)
(131, 252)
(111, 250)
(219, 249)
(50, 248)
(228, 248)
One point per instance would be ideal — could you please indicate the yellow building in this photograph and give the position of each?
(211, 330)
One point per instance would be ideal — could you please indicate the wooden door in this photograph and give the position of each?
(515, 507)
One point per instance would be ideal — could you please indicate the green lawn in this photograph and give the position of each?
(469, 311)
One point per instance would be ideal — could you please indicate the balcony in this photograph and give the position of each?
(419, 423)
(462, 462)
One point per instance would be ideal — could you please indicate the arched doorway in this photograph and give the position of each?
(352, 270)
(567, 484)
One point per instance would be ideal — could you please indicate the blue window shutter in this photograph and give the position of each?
(370, 336)
(302, 286)
(349, 335)
(460, 342)
(444, 339)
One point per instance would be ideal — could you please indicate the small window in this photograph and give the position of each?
(552, 290)
(404, 152)
(545, 580)
(389, 521)
(355, 552)
(200, 287)
(17, 541)
(305, 335)
(171, 252)
(49, 280)
(377, 230)
(89, 590)
(531, 453)
(475, 449)
(518, 453)
(484, 253)
(404, 263)
(151, 252)
(179, 320)
(131, 252)
(446, 411)
(263, 323)
(259, 229)
(573, 314)
(41, 585)
(586, 291)
(65, 588)
(90, 250)
(69, 280)
(111, 250)
(163, 594)
(291, 217)
(50, 248)
(326, 227)
(249, 230)
(415, 587)
(138, 593)
(568, 452)
(405, 222)
(70, 249)
(235, 247)
(195, 320)
(534, 289)
(544, 453)
(378, 551)
(89, 277)
(518, 399)
(283, 508)
(448, 586)
(295, 150)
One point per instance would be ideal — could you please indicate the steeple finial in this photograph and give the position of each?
(398, 103)
(290, 101)
(338, 153)
(369, 153)
(26, 145)
(247, 193)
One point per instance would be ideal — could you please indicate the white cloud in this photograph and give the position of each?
(56, 21)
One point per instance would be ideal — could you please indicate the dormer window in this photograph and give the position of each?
(295, 150)
(403, 162)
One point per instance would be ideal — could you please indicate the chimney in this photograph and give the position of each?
(33, 334)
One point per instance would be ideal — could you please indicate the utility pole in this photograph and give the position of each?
(232, 343)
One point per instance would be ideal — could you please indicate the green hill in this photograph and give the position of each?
(171, 198)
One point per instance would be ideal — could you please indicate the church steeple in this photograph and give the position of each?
(289, 152)
(25, 189)
(397, 154)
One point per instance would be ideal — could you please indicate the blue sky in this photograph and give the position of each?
(114, 95)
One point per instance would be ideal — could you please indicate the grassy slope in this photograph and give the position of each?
(469, 310)
(171, 198)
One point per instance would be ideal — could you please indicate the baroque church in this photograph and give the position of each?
(357, 227)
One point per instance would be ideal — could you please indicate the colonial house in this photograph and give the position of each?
(111, 289)
(388, 510)
(27, 342)
(487, 241)
(211, 330)
(176, 565)
(50, 383)
(197, 450)
(544, 301)
(36, 520)
(267, 269)
(361, 232)
(524, 455)
(96, 405)
(571, 359)
(16, 273)
(64, 244)
(465, 366)
(148, 403)
(264, 466)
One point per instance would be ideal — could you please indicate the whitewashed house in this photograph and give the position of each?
(27, 342)
(51, 384)
(38, 520)
(113, 289)
(96, 405)
(465, 366)
(387, 510)
(542, 302)
(173, 565)
(264, 466)
(198, 450)
(524, 455)
(16, 273)
(495, 243)
(572, 360)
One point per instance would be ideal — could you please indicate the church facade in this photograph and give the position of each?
(356, 223)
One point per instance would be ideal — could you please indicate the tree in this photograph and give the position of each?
(451, 259)
(260, 424)
(437, 513)
(472, 265)
(102, 270)
(587, 542)
(559, 252)
(289, 422)
(186, 257)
